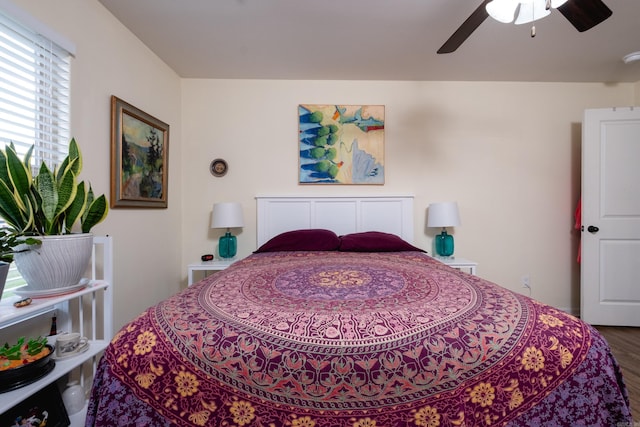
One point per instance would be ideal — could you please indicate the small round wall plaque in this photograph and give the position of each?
(218, 167)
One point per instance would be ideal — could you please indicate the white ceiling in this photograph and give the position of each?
(376, 40)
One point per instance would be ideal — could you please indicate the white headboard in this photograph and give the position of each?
(343, 215)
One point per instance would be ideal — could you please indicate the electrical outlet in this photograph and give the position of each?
(526, 281)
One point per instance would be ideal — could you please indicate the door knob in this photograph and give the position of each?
(593, 229)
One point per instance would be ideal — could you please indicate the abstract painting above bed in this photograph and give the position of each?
(359, 339)
(341, 144)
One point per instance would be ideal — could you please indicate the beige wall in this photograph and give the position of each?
(111, 61)
(509, 153)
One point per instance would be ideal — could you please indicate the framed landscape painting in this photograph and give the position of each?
(341, 144)
(139, 158)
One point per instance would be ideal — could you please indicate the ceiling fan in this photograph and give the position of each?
(583, 15)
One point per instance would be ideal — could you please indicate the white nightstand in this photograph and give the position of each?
(460, 263)
(215, 265)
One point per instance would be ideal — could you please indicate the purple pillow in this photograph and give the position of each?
(374, 241)
(302, 240)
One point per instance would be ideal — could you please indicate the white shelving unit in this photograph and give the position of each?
(88, 311)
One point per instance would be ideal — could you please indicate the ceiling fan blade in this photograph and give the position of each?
(464, 31)
(585, 14)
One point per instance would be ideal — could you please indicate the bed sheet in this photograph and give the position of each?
(355, 339)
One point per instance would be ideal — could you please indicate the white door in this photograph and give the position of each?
(610, 259)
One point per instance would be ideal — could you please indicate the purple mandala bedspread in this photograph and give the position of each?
(355, 339)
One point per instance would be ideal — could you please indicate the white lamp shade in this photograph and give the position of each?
(227, 215)
(444, 214)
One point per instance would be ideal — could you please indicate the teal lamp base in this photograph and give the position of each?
(444, 244)
(227, 245)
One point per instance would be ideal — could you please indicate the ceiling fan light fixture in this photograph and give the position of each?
(528, 10)
(532, 11)
(633, 56)
(502, 10)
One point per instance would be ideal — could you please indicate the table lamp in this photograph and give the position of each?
(227, 215)
(444, 214)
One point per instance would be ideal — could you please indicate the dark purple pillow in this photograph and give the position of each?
(302, 240)
(374, 241)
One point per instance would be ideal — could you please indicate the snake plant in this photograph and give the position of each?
(51, 202)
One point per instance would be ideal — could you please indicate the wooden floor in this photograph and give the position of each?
(625, 346)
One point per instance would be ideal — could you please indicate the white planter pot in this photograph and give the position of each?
(59, 262)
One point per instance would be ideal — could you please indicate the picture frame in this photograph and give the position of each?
(139, 158)
(341, 144)
(42, 408)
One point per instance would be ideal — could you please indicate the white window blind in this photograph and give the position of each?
(34, 98)
(34, 92)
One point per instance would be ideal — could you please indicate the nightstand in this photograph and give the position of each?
(215, 265)
(460, 264)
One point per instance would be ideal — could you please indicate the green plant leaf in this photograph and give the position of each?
(15, 185)
(96, 213)
(19, 175)
(46, 186)
(27, 156)
(9, 209)
(73, 160)
(4, 171)
(67, 190)
(39, 220)
(76, 156)
(76, 208)
(29, 213)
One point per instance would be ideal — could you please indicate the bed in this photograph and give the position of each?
(353, 328)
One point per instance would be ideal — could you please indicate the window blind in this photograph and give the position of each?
(34, 99)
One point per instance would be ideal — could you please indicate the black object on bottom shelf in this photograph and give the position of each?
(42, 408)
